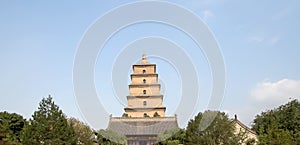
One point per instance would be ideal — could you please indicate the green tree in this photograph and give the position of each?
(11, 125)
(48, 126)
(107, 137)
(219, 131)
(275, 136)
(172, 137)
(280, 125)
(83, 132)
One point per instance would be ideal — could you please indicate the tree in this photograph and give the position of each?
(219, 131)
(107, 137)
(11, 125)
(48, 126)
(274, 136)
(172, 137)
(280, 125)
(83, 132)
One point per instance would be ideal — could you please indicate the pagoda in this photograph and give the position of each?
(145, 99)
(144, 116)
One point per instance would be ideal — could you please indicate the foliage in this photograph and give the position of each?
(250, 141)
(107, 137)
(172, 137)
(11, 125)
(48, 126)
(146, 115)
(219, 131)
(83, 132)
(125, 115)
(156, 114)
(280, 125)
(274, 135)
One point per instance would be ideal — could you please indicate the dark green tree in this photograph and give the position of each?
(280, 125)
(172, 137)
(275, 136)
(48, 126)
(219, 131)
(11, 125)
(107, 137)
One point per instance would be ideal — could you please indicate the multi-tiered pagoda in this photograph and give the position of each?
(145, 99)
(144, 116)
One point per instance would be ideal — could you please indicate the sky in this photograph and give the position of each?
(258, 40)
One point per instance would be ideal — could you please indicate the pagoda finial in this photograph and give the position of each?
(144, 57)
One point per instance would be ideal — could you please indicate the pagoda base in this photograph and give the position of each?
(142, 130)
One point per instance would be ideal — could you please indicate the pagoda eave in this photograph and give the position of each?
(144, 96)
(141, 84)
(140, 108)
(146, 64)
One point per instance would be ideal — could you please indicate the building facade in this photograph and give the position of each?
(249, 135)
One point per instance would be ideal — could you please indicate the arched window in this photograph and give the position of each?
(144, 71)
(144, 91)
(144, 80)
(144, 103)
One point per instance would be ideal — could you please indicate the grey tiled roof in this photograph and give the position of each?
(141, 125)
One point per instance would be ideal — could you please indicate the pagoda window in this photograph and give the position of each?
(144, 91)
(144, 103)
(146, 115)
(144, 71)
(144, 81)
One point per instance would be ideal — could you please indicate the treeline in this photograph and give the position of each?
(279, 126)
(220, 131)
(50, 126)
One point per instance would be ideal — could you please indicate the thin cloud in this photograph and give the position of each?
(271, 93)
(267, 95)
(263, 39)
(281, 14)
(273, 40)
(256, 39)
(207, 14)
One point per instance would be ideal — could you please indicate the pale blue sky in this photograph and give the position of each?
(259, 41)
